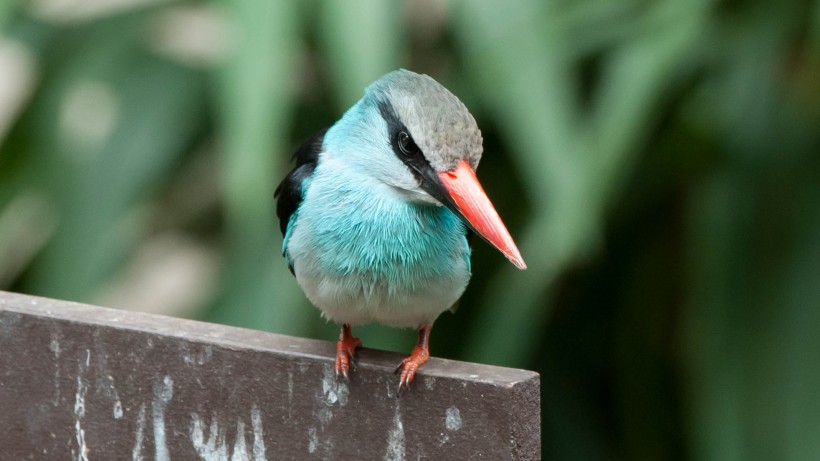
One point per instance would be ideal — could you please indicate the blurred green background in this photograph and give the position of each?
(655, 160)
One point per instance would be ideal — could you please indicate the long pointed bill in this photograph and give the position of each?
(474, 206)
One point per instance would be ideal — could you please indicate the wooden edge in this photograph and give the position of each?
(87, 382)
(224, 335)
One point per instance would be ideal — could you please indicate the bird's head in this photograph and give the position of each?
(412, 134)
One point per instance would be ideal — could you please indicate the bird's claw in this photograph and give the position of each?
(346, 355)
(344, 365)
(408, 367)
(343, 373)
(405, 377)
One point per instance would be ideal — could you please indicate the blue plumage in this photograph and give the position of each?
(375, 212)
(362, 249)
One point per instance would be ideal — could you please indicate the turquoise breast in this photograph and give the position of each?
(375, 234)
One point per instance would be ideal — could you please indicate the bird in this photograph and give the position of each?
(376, 212)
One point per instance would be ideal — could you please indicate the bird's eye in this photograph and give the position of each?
(406, 144)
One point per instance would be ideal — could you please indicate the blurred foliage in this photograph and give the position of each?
(656, 161)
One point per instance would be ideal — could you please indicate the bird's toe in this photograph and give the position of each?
(345, 356)
(408, 367)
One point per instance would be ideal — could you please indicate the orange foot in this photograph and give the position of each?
(346, 351)
(420, 354)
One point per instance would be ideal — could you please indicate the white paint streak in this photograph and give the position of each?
(395, 439)
(334, 391)
(201, 358)
(136, 453)
(112, 392)
(290, 394)
(333, 394)
(452, 419)
(390, 390)
(240, 452)
(313, 440)
(79, 411)
(55, 348)
(105, 381)
(163, 393)
(206, 356)
(258, 433)
(325, 415)
(83, 448)
(214, 449)
(429, 383)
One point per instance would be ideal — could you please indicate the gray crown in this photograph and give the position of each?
(438, 121)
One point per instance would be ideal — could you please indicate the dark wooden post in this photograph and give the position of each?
(87, 383)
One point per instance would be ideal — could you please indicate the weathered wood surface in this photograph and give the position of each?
(87, 383)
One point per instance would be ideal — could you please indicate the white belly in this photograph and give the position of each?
(356, 301)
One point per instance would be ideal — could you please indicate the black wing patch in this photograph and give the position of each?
(288, 194)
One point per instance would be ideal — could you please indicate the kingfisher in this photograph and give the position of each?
(376, 212)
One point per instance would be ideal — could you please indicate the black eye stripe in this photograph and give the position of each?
(424, 173)
(403, 144)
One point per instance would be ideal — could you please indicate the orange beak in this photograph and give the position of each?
(471, 202)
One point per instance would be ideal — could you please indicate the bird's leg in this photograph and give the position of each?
(419, 355)
(345, 350)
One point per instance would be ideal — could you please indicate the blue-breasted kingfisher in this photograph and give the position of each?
(376, 213)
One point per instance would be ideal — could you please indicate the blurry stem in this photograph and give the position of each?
(354, 57)
(27, 222)
(254, 89)
(570, 163)
(814, 29)
(506, 332)
(633, 81)
(711, 330)
(7, 8)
